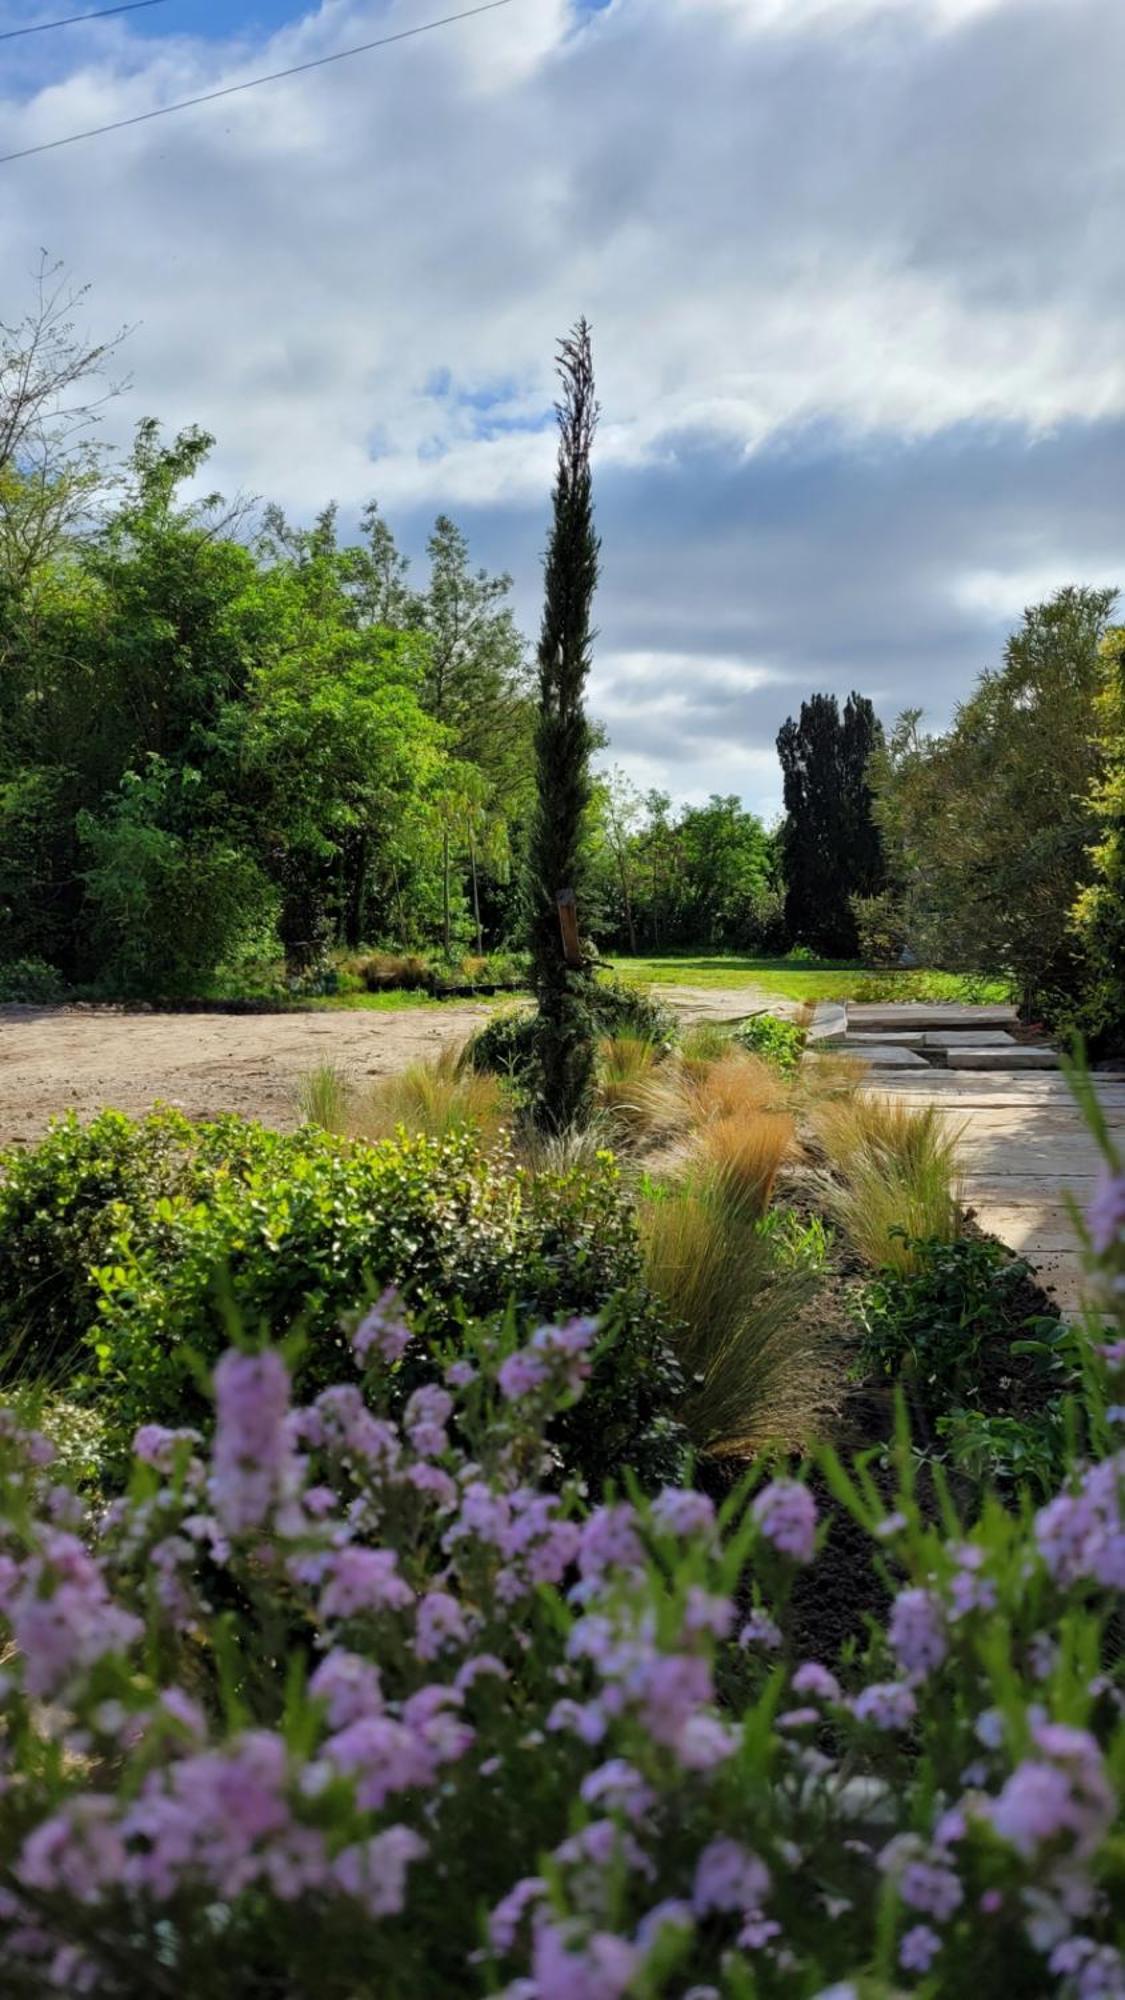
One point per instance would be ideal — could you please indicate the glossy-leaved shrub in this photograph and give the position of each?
(129, 1246)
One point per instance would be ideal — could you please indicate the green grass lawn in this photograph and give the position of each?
(822, 979)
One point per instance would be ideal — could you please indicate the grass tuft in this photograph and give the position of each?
(324, 1097)
(760, 1367)
(895, 1175)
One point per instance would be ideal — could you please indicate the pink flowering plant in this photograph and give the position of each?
(369, 1700)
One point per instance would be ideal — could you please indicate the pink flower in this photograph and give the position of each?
(917, 1632)
(383, 1331)
(568, 1966)
(729, 1877)
(440, 1622)
(79, 1852)
(374, 1871)
(1068, 1795)
(918, 1949)
(348, 1685)
(786, 1514)
(364, 1580)
(813, 1679)
(761, 1630)
(885, 1704)
(155, 1445)
(678, 1511)
(1105, 1217)
(251, 1459)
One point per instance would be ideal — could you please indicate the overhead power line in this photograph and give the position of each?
(254, 82)
(69, 20)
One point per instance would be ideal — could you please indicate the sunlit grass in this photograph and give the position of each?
(824, 979)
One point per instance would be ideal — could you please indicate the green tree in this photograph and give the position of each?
(1099, 912)
(990, 826)
(563, 987)
(830, 844)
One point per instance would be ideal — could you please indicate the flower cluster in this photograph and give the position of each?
(307, 1701)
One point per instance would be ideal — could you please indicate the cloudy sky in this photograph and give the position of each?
(856, 272)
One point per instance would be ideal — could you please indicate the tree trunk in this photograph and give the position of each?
(476, 892)
(445, 891)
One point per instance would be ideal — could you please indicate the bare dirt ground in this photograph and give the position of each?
(73, 1058)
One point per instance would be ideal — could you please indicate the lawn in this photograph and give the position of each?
(817, 979)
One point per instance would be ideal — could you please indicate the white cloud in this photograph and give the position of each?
(878, 219)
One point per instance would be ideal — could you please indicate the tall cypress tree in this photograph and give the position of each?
(830, 843)
(563, 981)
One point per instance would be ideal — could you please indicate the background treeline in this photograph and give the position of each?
(222, 741)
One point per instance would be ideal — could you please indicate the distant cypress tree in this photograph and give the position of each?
(830, 844)
(563, 742)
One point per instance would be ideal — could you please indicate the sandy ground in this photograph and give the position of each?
(61, 1058)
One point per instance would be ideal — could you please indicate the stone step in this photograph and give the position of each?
(829, 1021)
(896, 1016)
(883, 1055)
(934, 1038)
(1004, 1059)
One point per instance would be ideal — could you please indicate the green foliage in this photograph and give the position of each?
(989, 828)
(557, 863)
(215, 748)
(1099, 911)
(128, 1247)
(986, 1367)
(30, 982)
(882, 932)
(831, 848)
(510, 1044)
(780, 1042)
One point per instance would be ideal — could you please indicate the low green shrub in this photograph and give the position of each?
(31, 982)
(128, 1247)
(508, 1045)
(985, 1366)
(779, 1042)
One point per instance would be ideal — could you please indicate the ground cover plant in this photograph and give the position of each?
(780, 1042)
(363, 1698)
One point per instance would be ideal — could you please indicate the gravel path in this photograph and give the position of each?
(55, 1059)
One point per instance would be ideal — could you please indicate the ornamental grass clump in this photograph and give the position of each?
(759, 1369)
(438, 1099)
(894, 1179)
(366, 1697)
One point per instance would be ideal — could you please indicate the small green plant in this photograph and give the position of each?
(707, 1041)
(129, 1247)
(933, 1323)
(798, 1241)
(779, 1042)
(30, 982)
(991, 1377)
(324, 1097)
(1001, 1451)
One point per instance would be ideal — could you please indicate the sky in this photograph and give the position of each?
(855, 271)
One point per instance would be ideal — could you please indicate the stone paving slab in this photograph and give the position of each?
(897, 1015)
(933, 1038)
(884, 1055)
(1004, 1059)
